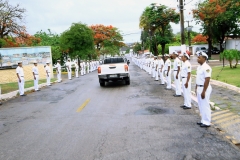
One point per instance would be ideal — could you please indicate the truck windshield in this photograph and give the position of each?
(113, 60)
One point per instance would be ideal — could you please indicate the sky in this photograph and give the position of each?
(58, 15)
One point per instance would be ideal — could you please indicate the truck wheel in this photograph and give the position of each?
(102, 84)
(127, 82)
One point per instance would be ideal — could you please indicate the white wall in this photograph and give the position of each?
(233, 44)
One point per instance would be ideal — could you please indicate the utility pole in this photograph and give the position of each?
(181, 7)
(189, 29)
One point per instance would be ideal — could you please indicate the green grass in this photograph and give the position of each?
(9, 87)
(226, 75)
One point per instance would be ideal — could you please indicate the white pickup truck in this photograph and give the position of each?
(113, 69)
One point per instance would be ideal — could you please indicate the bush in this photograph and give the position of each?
(231, 55)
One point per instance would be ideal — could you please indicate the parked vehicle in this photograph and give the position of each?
(113, 69)
(201, 49)
(215, 50)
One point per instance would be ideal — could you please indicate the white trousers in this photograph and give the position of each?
(204, 106)
(36, 82)
(156, 75)
(168, 79)
(153, 72)
(187, 92)
(149, 70)
(177, 83)
(84, 70)
(70, 74)
(21, 86)
(161, 77)
(81, 71)
(48, 80)
(59, 76)
(76, 72)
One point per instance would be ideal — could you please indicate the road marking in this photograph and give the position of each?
(219, 112)
(83, 105)
(222, 116)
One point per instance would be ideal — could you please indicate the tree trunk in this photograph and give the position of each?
(209, 53)
(163, 48)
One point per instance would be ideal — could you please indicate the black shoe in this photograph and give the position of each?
(168, 88)
(0, 103)
(23, 95)
(162, 84)
(183, 106)
(38, 90)
(177, 95)
(199, 123)
(204, 125)
(187, 107)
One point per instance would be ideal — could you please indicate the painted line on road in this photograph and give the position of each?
(83, 105)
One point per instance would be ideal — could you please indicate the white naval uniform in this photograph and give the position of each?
(168, 77)
(35, 72)
(58, 67)
(69, 70)
(48, 72)
(204, 71)
(19, 71)
(76, 69)
(81, 66)
(155, 74)
(84, 67)
(88, 66)
(176, 64)
(186, 68)
(161, 70)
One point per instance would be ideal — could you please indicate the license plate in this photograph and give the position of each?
(113, 75)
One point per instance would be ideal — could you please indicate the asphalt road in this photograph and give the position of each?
(140, 121)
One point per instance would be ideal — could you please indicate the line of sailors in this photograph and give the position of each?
(161, 68)
(85, 68)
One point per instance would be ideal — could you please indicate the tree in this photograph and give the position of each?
(200, 39)
(11, 18)
(53, 40)
(206, 14)
(106, 36)
(231, 55)
(79, 41)
(156, 20)
(137, 48)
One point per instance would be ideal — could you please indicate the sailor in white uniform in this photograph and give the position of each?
(35, 76)
(20, 76)
(186, 81)
(203, 89)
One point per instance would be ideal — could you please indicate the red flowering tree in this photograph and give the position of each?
(207, 14)
(11, 18)
(107, 37)
(199, 39)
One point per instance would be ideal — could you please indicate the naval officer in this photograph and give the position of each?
(20, 76)
(203, 89)
(35, 75)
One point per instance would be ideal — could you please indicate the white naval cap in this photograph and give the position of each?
(19, 62)
(199, 53)
(58, 60)
(34, 62)
(185, 54)
(166, 55)
(47, 62)
(174, 52)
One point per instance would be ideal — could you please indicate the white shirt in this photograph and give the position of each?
(167, 64)
(76, 66)
(47, 68)
(20, 72)
(176, 64)
(160, 63)
(203, 71)
(35, 70)
(186, 68)
(68, 64)
(58, 66)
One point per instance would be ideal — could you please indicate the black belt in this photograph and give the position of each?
(35, 74)
(21, 76)
(175, 70)
(184, 77)
(200, 85)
